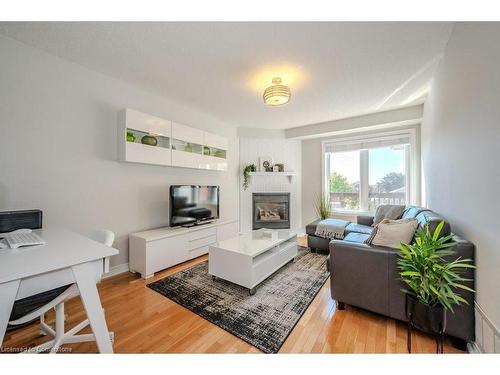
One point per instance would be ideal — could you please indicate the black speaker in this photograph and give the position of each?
(13, 220)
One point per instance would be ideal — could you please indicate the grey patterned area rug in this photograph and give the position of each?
(265, 319)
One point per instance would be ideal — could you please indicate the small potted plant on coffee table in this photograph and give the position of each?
(433, 281)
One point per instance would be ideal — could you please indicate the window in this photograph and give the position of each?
(363, 173)
(386, 176)
(343, 180)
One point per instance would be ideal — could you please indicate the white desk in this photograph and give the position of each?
(67, 258)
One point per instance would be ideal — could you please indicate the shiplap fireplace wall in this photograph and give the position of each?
(288, 152)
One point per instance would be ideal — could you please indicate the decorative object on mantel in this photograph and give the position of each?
(265, 164)
(277, 94)
(149, 140)
(246, 175)
(281, 167)
(322, 206)
(276, 168)
(130, 137)
(433, 282)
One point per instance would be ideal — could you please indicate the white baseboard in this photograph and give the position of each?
(472, 348)
(116, 270)
(487, 334)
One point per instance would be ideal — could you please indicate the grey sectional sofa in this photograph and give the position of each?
(367, 276)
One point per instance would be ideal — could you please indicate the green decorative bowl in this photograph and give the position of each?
(149, 140)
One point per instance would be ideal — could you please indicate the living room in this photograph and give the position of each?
(249, 187)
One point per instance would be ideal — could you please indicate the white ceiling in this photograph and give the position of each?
(334, 70)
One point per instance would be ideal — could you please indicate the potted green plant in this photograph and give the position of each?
(433, 278)
(322, 206)
(130, 137)
(188, 147)
(246, 174)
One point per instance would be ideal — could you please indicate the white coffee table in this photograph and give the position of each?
(249, 259)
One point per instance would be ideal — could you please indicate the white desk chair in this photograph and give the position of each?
(61, 337)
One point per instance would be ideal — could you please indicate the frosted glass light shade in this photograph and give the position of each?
(276, 94)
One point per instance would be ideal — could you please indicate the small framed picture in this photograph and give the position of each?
(276, 168)
(265, 164)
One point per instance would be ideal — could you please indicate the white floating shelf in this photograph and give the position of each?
(270, 174)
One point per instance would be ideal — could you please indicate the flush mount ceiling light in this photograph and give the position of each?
(277, 94)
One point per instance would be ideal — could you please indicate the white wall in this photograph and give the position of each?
(311, 178)
(288, 152)
(58, 148)
(460, 151)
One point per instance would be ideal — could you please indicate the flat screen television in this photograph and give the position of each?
(193, 204)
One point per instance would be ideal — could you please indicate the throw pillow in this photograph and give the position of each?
(391, 233)
(388, 211)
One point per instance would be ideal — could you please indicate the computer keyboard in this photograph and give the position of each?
(16, 240)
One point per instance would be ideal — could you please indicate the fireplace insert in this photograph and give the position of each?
(271, 210)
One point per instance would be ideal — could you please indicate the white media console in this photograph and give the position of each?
(154, 250)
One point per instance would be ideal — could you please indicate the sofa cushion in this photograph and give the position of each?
(356, 237)
(390, 233)
(433, 219)
(311, 227)
(411, 212)
(358, 228)
(388, 211)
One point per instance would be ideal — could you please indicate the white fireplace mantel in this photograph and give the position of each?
(273, 174)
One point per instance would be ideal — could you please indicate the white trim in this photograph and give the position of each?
(352, 212)
(116, 270)
(413, 167)
(485, 325)
(383, 120)
(473, 348)
(364, 180)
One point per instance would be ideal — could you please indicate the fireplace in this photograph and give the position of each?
(271, 210)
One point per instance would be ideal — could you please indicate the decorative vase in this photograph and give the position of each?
(188, 147)
(430, 319)
(130, 137)
(149, 140)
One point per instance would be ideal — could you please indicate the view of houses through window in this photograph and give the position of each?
(363, 179)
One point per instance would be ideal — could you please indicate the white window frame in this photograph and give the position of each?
(412, 166)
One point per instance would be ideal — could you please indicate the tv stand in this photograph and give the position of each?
(157, 249)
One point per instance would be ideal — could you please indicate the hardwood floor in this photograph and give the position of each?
(146, 322)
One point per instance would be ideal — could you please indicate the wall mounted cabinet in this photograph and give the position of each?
(187, 148)
(133, 127)
(147, 139)
(214, 152)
